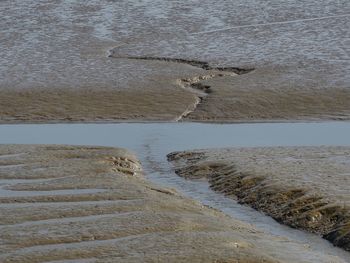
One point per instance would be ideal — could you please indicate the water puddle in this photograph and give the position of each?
(151, 143)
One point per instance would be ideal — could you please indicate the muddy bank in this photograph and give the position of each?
(207, 96)
(303, 187)
(119, 217)
(245, 99)
(69, 105)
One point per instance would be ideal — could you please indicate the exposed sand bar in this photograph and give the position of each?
(68, 61)
(129, 220)
(152, 142)
(304, 187)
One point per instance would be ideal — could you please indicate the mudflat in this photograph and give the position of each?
(303, 187)
(100, 61)
(92, 204)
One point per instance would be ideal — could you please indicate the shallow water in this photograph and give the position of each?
(151, 142)
(64, 43)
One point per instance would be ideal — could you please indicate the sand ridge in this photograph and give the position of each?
(304, 187)
(127, 220)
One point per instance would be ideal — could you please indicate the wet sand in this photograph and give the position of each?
(107, 61)
(71, 62)
(303, 187)
(204, 96)
(121, 217)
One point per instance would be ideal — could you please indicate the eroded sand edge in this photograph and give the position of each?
(303, 187)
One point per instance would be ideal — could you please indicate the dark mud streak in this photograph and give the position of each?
(290, 206)
(190, 84)
(203, 92)
(205, 88)
(195, 63)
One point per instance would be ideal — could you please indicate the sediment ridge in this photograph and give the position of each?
(305, 187)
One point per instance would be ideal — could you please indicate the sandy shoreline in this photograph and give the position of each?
(222, 105)
(126, 219)
(182, 90)
(303, 187)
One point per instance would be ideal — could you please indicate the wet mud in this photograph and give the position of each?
(303, 187)
(195, 63)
